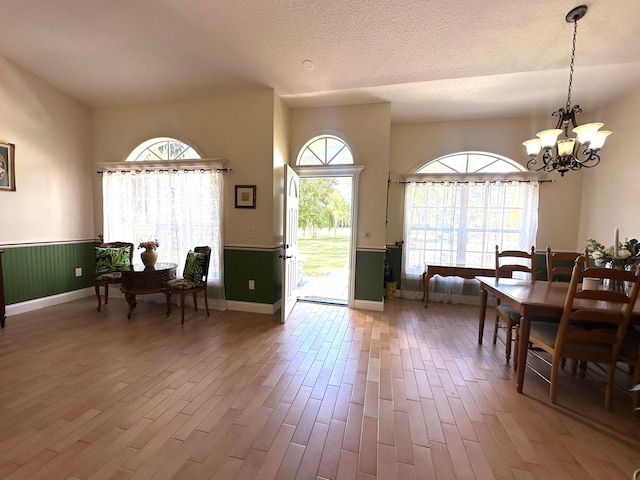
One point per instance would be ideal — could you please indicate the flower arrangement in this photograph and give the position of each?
(628, 252)
(150, 245)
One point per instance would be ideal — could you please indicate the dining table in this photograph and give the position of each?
(532, 298)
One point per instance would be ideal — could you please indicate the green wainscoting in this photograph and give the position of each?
(37, 271)
(369, 275)
(261, 266)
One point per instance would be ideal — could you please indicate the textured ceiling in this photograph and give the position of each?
(432, 59)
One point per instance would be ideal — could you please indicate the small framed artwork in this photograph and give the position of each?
(245, 196)
(7, 166)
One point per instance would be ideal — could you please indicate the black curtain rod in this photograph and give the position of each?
(164, 170)
(466, 182)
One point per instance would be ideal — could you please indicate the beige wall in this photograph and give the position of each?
(51, 132)
(609, 188)
(413, 145)
(367, 128)
(236, 126)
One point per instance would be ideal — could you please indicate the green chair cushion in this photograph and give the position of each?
(194, 266)
(112, 259)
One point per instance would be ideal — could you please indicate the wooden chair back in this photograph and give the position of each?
(594, 322)
(560, 264)
(510, 261)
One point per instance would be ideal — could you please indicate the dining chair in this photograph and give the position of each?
(194, 280)
(560, 264)
(572, 338)
(507, 263)
(111, 259)
(630, 354)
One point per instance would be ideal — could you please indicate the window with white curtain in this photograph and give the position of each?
(456, 221)
(181, 207)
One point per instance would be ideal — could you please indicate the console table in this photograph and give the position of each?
(2, 307)
(141, 280)
(451, 271)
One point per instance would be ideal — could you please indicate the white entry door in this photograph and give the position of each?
(290, 247)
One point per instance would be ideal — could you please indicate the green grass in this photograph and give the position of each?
(323, 254)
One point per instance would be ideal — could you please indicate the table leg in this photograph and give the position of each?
(425, 288)
(131, 300)
(523, 346)
(168, 296)
(482, 314)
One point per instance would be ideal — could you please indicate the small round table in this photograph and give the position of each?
(141, 280)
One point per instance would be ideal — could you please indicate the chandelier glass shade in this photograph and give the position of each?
(567, 153)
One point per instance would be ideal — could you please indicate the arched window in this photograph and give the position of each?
(325, 150)
(162, 148)
(175, 197)
(471, 162)
(460, 206)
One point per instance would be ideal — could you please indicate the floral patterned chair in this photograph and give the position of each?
(111, 259)
(194, 279)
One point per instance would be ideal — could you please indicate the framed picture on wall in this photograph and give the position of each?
(245, 196)
(7, 166)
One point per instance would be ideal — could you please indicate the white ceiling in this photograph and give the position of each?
(432, 59)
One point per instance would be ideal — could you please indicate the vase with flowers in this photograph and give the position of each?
(623, 255)
(149, 256)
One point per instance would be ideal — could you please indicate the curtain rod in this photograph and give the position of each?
(137, 171)
(466, 182)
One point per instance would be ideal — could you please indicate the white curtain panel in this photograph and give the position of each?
(460, 223)
(181, 208)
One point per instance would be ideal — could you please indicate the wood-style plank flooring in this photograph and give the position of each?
(332, 394)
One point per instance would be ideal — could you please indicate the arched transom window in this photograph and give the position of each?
(162, 148)
(325, 150)
(460, 206)
(470, 162)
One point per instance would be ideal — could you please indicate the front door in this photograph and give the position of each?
(290, 246)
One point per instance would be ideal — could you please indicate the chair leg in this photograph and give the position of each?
(608, 392)
(495, 329)
(206, 302)
(555, 366)
(98, 295)
(507, 348)
(195, 301)
(182, 308)
(516, 347)
(106, 293)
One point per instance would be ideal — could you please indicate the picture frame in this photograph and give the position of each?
(7, 167)
(245, 196)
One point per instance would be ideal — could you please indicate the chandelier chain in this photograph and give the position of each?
(573, 56)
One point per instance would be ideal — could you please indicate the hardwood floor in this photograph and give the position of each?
(332, 394)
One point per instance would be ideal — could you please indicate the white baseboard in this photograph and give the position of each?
(369, 305)
(264, 308)
(38, 303)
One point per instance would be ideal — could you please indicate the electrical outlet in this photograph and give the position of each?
(252, 285)
(78, 272)
(252, 232)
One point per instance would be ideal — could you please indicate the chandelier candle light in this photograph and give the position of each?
(569, 153)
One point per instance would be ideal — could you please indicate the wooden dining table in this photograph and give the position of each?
(532, 299)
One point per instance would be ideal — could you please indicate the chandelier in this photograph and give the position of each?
(568, 153)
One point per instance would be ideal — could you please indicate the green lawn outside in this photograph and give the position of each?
(323, 254)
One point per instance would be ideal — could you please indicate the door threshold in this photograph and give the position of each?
(325, 301)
